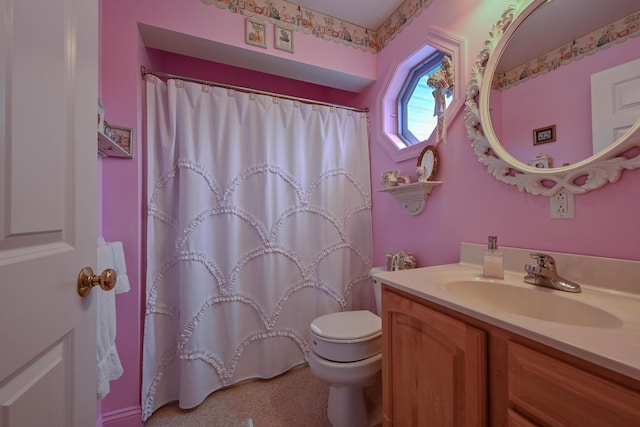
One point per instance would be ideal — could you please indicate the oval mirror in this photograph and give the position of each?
(530, 96)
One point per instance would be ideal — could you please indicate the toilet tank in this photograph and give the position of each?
(377, 287)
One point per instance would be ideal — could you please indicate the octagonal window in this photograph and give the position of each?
(416, 103)
(405, 81)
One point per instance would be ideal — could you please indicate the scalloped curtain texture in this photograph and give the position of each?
(259, 220)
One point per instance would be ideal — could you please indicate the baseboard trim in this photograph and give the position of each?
(126, 417)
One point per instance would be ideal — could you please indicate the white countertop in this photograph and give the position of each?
(616, 348)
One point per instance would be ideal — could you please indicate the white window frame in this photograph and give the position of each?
(436, 39)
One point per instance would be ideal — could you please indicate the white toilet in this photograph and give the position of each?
(346, 352)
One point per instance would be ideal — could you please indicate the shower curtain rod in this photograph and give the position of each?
(144, 71)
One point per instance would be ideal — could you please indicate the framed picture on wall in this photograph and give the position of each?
(124, 138)
(255, 33)
(282, 38)
(544, 135)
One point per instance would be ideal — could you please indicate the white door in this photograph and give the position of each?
(48, 211)
(615, 103)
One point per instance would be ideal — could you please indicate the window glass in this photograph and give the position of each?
(416, 121)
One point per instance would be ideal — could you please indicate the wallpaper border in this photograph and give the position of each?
(298, 18)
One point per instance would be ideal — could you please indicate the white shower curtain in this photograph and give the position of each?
(259, 220)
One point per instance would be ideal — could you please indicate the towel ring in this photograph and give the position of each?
(87, 280)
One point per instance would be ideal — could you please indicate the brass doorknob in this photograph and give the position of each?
(86, 280)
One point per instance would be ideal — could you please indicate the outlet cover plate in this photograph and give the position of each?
(562, 205)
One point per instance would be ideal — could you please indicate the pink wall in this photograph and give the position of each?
(562, 97)
(467, 207)
(211, 71)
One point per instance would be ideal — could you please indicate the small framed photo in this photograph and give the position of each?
(255, 33)
(282, 38)
(544, 135)
(124, 138)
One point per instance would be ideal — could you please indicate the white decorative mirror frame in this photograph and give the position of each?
(581, 177)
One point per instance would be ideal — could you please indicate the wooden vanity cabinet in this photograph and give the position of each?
(443, 368)
(434, 367)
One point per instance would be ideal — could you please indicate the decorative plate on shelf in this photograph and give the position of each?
(429, 159)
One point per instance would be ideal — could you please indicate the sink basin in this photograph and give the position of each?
(536, 302)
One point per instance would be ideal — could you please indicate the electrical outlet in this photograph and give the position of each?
(562, 204)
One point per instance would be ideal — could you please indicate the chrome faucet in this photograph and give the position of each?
(545, 274)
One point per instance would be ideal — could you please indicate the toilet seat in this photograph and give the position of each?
(361, 373)
(347, 336)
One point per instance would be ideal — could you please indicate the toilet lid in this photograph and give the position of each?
(347, 325)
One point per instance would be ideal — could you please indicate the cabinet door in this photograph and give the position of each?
(434, 367)
(554, 393)
(515, 420)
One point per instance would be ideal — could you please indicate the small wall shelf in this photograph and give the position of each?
(108, 148)
(412, 196)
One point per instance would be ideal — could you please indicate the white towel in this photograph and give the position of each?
(108, 362)
(120, 266)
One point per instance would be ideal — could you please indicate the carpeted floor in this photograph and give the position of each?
(293, 399)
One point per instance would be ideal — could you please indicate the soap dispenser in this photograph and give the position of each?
(493, 260)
